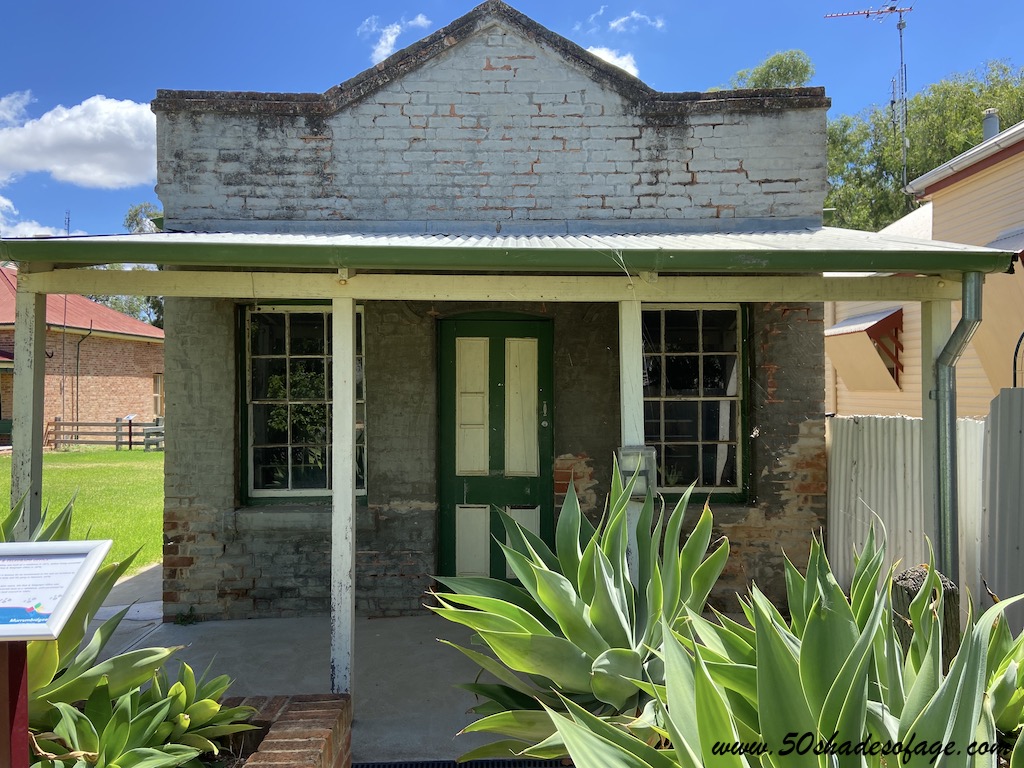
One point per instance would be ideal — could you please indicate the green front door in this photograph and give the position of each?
(496, 438)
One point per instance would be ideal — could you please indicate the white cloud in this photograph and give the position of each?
(388, 35)
(12, 107)
(632, 21)
(591, 21)
(11, 227)
(621, 60)
(101, 143)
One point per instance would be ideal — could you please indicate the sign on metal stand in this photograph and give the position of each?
(41, 583)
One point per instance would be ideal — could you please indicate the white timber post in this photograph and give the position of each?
(29, 391)
(936, 326)
(343, 329)
(631, 404)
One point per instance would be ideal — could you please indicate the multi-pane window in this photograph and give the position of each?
(158, 395)
(289, 401)
(693, 394)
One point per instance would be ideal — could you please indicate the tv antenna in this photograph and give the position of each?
(898, 103)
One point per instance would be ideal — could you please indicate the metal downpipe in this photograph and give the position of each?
(945, 374)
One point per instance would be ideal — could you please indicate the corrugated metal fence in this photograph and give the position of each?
(875, 473)
(1002, 529)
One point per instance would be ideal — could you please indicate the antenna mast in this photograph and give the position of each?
(898, 103)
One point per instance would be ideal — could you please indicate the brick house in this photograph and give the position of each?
(465, 278)
(100, 364)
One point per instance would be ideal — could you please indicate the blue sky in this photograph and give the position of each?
(76, 132)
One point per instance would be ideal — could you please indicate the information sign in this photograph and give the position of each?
(41, 583)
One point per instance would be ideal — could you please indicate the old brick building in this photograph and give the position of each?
(100, 364)
(465, 278)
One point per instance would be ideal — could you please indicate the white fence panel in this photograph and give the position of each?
(875, 473)
(1002, 536)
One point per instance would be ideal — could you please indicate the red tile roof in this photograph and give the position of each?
(74, 311)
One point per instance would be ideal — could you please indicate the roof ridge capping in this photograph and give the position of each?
(488, 13)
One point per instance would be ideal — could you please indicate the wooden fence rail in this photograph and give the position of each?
(121, 433)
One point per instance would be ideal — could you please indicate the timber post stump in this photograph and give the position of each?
(905, 587)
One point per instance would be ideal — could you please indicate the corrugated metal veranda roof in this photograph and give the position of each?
(765, 252)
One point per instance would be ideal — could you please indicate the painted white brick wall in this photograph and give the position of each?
(497, 128)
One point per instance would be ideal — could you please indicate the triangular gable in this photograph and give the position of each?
(481, 18)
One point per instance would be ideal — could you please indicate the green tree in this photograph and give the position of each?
(785, 69)
(150, 309)
(944, 120)
(140, 218)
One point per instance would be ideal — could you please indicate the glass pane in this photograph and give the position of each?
(718, 421)
(307, 379)
(269, 381)
(719, 330)
(307, 334)
(720, 375)
(680, 465)
(360, 415)
(652, 422)
(651, 329)
(266, 333)
(309, 424)
(719, 465)
(270, 468)
(359, 379)
(652, 376)
(269, 424)
(309, 466)
(360, 466)
(681, 375)
(681, 331)
(359, 333)
(681, 420)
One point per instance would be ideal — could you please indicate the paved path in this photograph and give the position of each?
(405, 704)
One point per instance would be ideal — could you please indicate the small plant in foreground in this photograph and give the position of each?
(120, 712)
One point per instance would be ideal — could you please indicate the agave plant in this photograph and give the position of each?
(64, 670)
(1005, 680)
(576, 628)
(831, 687)
(195, 716)
(110, 733)
(168, 725)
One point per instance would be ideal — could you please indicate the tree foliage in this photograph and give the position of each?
(785, 69)
(149, 309)
(139, 218)
(944, 120)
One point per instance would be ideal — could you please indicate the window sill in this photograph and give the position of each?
(296, 503)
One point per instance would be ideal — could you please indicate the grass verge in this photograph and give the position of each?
(120, 496)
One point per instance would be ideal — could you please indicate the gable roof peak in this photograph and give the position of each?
(316, 106)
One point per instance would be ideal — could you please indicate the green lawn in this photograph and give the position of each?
(120, 496)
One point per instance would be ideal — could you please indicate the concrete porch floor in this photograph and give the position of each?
(405, 705)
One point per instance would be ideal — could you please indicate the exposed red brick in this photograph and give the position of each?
(100, 380)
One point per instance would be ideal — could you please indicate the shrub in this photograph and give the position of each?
(119, 712)
(575, 628)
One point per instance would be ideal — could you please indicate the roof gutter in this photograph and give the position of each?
(505, 259)
(945, 374)
(1002, 141)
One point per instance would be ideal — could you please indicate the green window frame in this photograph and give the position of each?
(695, 395)
(288, 386)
